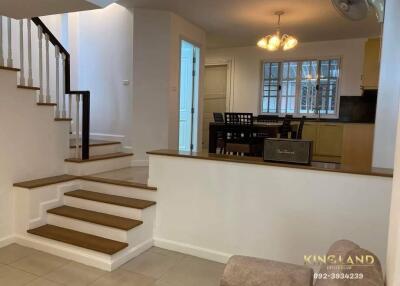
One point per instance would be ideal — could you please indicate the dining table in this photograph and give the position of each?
(270, 129)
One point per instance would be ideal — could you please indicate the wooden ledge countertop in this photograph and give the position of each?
(315, 166)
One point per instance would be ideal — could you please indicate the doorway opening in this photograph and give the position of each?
(189, 96)
(215, 97)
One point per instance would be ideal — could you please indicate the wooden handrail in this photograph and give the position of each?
(67, 77)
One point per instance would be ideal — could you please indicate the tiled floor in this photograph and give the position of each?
(156, 267)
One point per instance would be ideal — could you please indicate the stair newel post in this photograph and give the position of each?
(48, 99)
(10, 59)
(64, 106)
(77, 141)
(85, 125)
(1, 42)
(57, 51)
(30, 73)
(40, 36)
(22, 56)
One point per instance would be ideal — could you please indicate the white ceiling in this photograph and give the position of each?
(33, 8)
(243, 22)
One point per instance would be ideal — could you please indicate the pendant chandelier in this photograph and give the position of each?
(277, 41)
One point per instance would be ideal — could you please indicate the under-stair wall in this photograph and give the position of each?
(33, 145)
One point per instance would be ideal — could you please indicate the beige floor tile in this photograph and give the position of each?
(192, 271)
(14, 252)
(152, 264)
(40, 264)
(122, 277)
(75, 274)
(10, 276)
(42, 282)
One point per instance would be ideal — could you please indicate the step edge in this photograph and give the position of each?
(68, 194)
(122, 183)
(97, 144)
(123, 245)
(51, 211)
(79, 161)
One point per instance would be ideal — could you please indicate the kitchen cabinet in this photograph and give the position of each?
(370, 77)
(358, 143)
(350, 144)
(327, 138)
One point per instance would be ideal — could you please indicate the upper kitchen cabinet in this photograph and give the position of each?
(370, 77)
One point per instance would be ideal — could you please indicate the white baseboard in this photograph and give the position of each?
(7, 241)
(131, 253)
(104, 136)
(200, 252)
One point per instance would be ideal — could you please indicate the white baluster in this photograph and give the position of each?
(1, 42)
(9, 60)
(48, 98)
(70, 111)
(30, 73)
(64, 107)
(77, 141)
(40, 34)
(21, 47)
(58, 115)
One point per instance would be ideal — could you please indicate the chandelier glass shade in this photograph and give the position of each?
(277, 41)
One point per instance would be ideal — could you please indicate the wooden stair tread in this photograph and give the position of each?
(96, 217)
(79, 239)
(28, 87)
(93, 143)
(111, 199)
(63, 119)
(9, 69)
(118, 183)
(45, 181)
(99, 157)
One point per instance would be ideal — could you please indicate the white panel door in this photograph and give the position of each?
(189, 82)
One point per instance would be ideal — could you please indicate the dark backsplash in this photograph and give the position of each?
(358, 109)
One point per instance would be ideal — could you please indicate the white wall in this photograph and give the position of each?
(215, 209)
(247, 67)
(33, 146)
(389, 91)
(385, 138)
(156, 48)
(103, 53)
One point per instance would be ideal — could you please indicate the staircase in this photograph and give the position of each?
(73, 215)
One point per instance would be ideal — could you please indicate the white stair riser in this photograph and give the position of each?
(87, 227)
(93, 167)
(137, 193)
(99, 150)
(104, 208)
(132, 237)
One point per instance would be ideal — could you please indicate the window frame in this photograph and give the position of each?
(297, 113)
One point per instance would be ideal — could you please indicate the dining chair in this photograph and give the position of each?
(238, 134)
(219, 118)
(299, 134)
(239, 118)
(286, 127)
